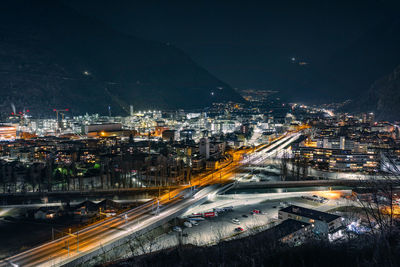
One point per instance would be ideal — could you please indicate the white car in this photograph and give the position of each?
(187, 224)
(235, 221)
(177, 229)
(194, 223)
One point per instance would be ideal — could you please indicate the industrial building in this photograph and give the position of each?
(291, 232)
(7, 132)
(106, 127)
(323, 223)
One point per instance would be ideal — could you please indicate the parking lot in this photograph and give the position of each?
(211, 230)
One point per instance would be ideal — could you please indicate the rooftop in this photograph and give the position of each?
(309, 213)
(286, 228)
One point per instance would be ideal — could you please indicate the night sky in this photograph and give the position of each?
(248, 44)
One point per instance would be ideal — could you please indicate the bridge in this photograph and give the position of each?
(68, 196)
(308, 183)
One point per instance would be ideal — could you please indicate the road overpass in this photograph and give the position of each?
(308, 183)
(68, 196)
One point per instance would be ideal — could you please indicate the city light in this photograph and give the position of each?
(223, 134)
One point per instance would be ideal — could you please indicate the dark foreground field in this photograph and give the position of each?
(260, 250)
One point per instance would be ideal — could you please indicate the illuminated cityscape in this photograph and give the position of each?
(117, 150)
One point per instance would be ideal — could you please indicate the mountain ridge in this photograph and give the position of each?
(52, 57)
(383, 97)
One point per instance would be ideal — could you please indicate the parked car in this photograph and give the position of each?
(177, 229)
(230, 208)
(187, 224)
(194, 223)
(239, 229)
(235, 221)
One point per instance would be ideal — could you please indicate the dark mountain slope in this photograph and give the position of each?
(347, 72)
(51, 56)
(351, 71)
(383, 98)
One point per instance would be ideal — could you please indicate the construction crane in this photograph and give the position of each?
(21, 115)
(60, 111)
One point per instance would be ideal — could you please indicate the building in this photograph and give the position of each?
(212, 163)
(169, 135)
(323, 223)
(368, 118)
(217, 147)
(106, 127)
(245, 128)
(204, 147)
(159, 130)
(106, 130)
(187, 134)
(341, 160)
(197, 163)
(7, 133)
(43, 214)
(354, 162)
(291, 232)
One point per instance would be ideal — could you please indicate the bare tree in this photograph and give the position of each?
(143, 244)
(378, 204)
(304, 166)
(284, 167)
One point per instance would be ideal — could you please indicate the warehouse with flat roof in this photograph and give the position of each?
(323, 222)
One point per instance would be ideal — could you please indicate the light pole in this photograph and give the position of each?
(158, 207)
(77, 240)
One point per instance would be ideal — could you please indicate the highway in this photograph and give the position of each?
(263, 153)
(56, 252)
(64, 250)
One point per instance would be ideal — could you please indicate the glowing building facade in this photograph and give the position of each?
(7, 133)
